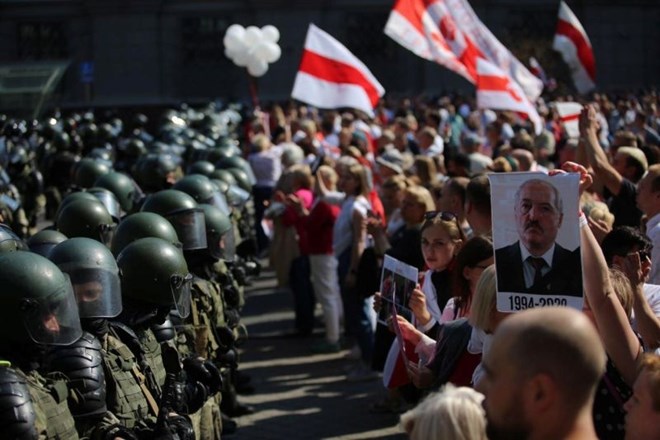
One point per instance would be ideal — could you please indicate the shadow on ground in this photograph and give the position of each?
(299, 395)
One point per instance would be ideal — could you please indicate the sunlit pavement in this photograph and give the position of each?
(299, 395)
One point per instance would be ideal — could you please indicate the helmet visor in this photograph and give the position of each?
(190, 227)
(53, 320)
(137, 195)
(181, 286)
(9, 241)
(237, 196)
(106, 232)
(110, 202)
(218, 200)
(223, 247)
(97, 292)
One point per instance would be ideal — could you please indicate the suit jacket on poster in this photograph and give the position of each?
(565, 276)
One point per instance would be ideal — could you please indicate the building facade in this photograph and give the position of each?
(153, 52)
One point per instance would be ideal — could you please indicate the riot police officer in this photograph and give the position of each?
(38, 309)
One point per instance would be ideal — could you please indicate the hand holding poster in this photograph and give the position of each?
(536, 237)
(397, 282)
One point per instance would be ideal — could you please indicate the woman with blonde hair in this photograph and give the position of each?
(450, 414)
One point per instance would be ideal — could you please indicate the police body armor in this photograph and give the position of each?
(49, 400)
(198, 337)
(18, 418)
(82, 363)
(152, 353)
(129, 396)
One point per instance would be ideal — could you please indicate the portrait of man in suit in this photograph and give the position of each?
(536, 263)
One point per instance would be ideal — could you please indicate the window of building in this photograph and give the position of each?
(202, 40)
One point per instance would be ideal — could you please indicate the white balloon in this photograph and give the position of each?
(230, 53)
(271, 33)
(235, 29)
(253, 35)
(233, 42)
(261, 50)
(274, 52)
(257, 67)
(241, 58)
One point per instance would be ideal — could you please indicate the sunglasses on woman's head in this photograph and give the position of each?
(444, 215)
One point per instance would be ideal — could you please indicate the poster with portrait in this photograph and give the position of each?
(397, 282)
(536, 236)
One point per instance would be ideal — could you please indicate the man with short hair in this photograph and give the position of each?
(536, 263)
(541, 374)
(430, 144)
(643, 408)
(472, 146)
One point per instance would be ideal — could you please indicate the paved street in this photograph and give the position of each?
(300, 395)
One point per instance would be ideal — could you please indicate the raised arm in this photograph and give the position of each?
(594, 152)
(615, 331)
(648, 324)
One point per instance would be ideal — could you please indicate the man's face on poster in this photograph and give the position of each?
(538, 215)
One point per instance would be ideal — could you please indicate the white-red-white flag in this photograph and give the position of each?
(449, 33)
(496, 91)
(330, 76)
(572, 43)
(537, 70)
(569, 116)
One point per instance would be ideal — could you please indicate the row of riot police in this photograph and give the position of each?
(122, 319)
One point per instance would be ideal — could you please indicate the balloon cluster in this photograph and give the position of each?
(252, 47)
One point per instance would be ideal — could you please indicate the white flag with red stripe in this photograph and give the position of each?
(496, 91)
(330, 76)
(572, 42)
(537, 70)
(569, 116)
(449, 33)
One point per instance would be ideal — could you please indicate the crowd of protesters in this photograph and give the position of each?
(411, 182)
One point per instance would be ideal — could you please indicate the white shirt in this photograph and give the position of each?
(653, 233)
(479, 162)
(480, 342)
(266, 166)
(342, 234)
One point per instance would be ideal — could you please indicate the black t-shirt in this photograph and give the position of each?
(624, 205)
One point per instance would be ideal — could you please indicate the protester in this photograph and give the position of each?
(318, 223)
(530, 392)
(449, 414)
(349, 241)
(442, 239)
(643, 407)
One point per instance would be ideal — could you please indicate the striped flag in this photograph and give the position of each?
(496, 91)
(572, 43)
(537, 70)
(330, 76)
(449, 33)
(569, 116)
